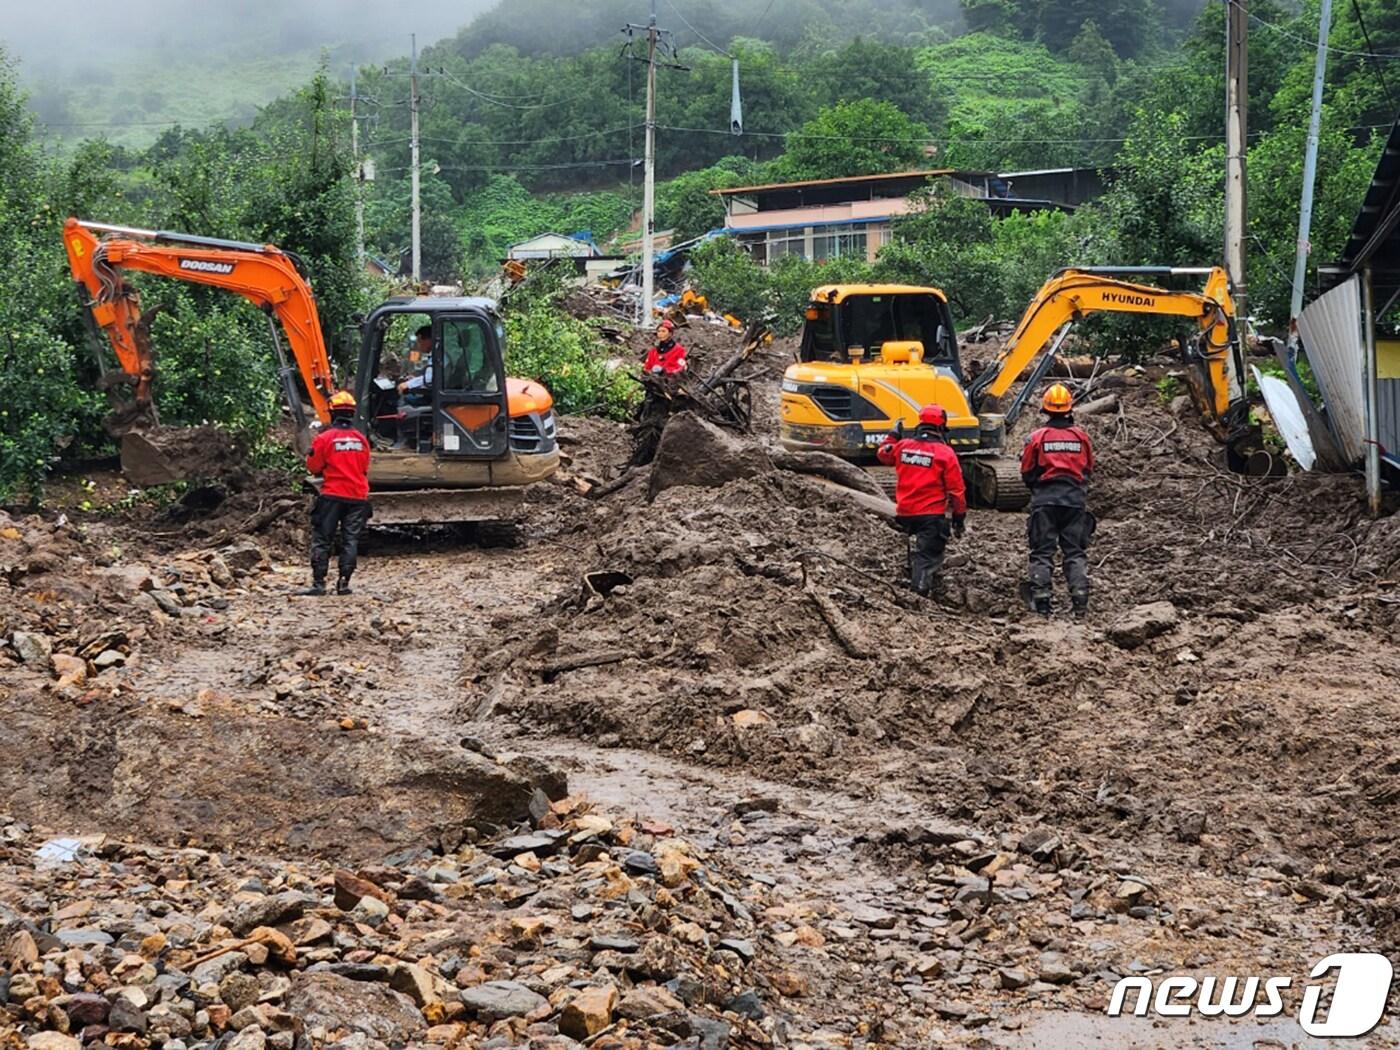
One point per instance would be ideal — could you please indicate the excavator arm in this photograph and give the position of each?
(1072, 294)
(266, 276)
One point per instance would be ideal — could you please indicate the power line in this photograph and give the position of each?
(1366, 36)
(512, 142)
(498, 102)
(1312, 45)
(676, 11)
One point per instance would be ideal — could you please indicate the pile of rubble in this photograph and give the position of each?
(588, 930)
(76, 610)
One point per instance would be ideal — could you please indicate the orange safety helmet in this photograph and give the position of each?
(342, 401)
(1057, 400)
(933, 415)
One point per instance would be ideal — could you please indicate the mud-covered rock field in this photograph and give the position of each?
(687, 765)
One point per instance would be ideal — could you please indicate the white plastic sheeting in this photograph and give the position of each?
(1330, 328)
(1288, 417)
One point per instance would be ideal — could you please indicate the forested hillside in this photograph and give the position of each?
(532, 119)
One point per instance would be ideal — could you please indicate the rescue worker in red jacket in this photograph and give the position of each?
(930, 500)
(340, 457)
(1055, 465)
(667, 356)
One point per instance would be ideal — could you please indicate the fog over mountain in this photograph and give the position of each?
(128, 69)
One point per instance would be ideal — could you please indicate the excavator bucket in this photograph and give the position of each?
(162, 455)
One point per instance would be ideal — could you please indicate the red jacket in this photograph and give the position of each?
(670, 356)
(1056, 464)
(340, 455)
(928, 477)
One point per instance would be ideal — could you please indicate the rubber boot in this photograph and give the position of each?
(316, 590)
(1042, 605)
(1079, 602)
(342, 585)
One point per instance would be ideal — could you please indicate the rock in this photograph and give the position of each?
(217, 968)
(537, 843)
(602, 942)
(640, 862)
(31, 648)
(253, 1038)
(876, 918)
(370, 910)
(1012, 978)
(1131, 888)
(350, 889)
(588, 1012)
(640, 1003)
(267, 911)
(126, 1016)
(714, 1035)
(22, 951)
(1142, 623)
(497, 999)
(69, 670)
(1040, 843)
(84, 938)
(329, 1001)
(238, 990)
(1055, 969)
(84, 1008)
(277, 943)
(309, 930)
(740, 947)
(356, 971)
(52, 1041)
(415, 982)
(242, 557)
(746, 1004)
(695, 452)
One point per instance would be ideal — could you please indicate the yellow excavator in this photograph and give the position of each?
(874, 354)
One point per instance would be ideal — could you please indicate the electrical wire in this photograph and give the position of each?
(497, 102)
(510, 142)
(1312, 44)
(1375, 64)
(676, 11)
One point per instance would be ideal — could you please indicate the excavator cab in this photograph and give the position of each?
(468, 426)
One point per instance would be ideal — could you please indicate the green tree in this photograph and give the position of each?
(45, 407)
(685, 203)
(864, 137)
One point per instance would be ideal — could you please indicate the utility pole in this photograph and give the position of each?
(359, 175)
(649, 175)
(1300, 263)
(413, 157)
(1236, 143)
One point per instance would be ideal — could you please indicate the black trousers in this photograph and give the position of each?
(1069, 529)
(330, 516)
(930, 532)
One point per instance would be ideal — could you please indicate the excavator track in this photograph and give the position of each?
(884, 477)
(997, 483)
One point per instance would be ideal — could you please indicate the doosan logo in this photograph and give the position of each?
(1358, 1000)
(206, 266)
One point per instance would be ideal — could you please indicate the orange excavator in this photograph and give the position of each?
(461, 452)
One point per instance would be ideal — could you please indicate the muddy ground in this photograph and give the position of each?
(941, 823)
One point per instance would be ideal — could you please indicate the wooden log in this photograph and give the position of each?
(849, 639)
(1098, 407)
(825, 465)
